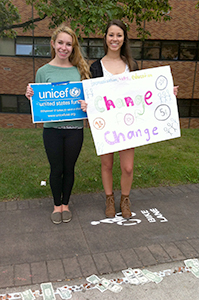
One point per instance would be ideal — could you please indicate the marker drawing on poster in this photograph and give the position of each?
(131, 110)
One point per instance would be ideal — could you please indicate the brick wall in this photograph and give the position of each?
(184, 23)
(189, 123)
(17, 121)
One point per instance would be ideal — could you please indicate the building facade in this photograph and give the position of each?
(174, 43)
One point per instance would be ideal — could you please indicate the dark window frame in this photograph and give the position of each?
(18, 105)
(188, 106)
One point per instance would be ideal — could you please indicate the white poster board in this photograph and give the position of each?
(131, 110)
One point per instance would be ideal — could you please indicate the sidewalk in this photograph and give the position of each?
(164, 230)
(176, 286)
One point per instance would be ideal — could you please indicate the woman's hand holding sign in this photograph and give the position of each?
(29, 92)
(83, 105)
(175, 90)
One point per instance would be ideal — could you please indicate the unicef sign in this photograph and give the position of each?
(57, 102)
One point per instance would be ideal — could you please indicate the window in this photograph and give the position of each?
(136, 49)
(148, 50)
(188, 108)
(23, 105)
(151, 50)
(183, 108)
(188, 50)
(42, 47)
(24, 45)
(169, 51)
(14, 104)
(93, 48)
(195, 108)
(9, 104)
(84, 46)
(7, 46)
(28, 46)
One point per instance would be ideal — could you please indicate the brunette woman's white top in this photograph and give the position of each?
(107, 74)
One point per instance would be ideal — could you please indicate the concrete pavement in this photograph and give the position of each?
(176, 286)
(163, 232)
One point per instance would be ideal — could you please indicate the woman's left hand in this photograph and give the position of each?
(175, 90)
(83, 105)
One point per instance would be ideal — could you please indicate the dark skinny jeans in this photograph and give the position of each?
(62, 148)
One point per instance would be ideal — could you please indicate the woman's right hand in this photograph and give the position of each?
(29, 92)
(83, 105)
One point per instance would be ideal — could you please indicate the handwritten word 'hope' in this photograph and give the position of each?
(119, 102)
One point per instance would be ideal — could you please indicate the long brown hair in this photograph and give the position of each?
(76, 58)
(125, 52)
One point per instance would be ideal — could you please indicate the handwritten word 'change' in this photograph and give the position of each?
(114, 138)
(102, 103)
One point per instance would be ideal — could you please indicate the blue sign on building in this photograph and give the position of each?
(54, 102)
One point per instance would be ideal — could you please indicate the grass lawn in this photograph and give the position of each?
(23, 164)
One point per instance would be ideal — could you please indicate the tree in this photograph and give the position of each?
(8, 16)
(89, 15)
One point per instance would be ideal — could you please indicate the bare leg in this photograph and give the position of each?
(126, 164)
(107, 180)
(106, 170)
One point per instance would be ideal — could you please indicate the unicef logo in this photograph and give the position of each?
(75, 92)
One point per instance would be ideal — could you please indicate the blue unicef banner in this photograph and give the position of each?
(54, 102)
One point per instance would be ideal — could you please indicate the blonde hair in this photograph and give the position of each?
(76, 58)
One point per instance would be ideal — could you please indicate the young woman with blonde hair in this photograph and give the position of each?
(62, 140)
